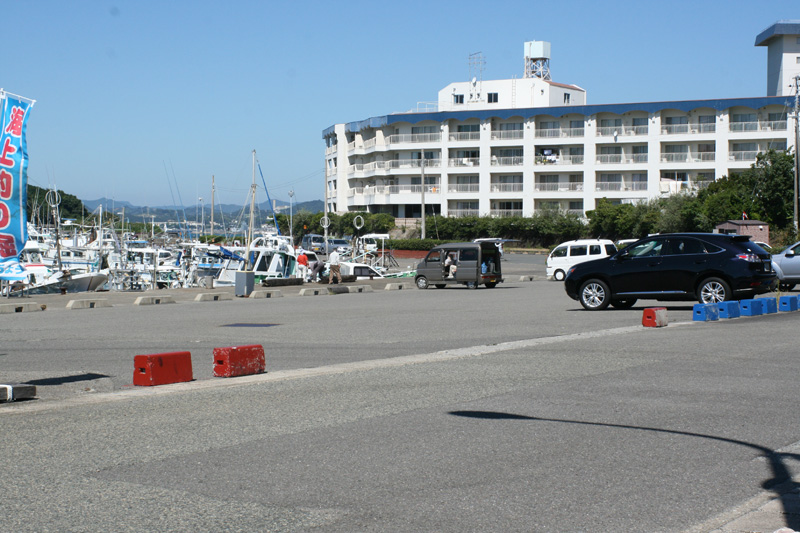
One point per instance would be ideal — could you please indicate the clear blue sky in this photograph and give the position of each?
(126, 88)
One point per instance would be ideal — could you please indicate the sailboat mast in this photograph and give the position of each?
(212, 206)
(252, 208)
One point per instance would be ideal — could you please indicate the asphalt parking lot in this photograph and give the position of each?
(510, 409)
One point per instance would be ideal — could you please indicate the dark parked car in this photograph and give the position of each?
(708, 267)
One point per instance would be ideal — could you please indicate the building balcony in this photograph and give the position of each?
(503, 213)
(772, 125)
(548, 133)
(503, 135)
(609, 131)
(465, 136)
(463, 212)
(605, 159)
(507, 161)
(674, 129)
(749, 155)
(558, 160)
(743, 126)
(463, 187)
(464, 161)
(559, 132)
(506, 187)
(330, 171)
(606, 186)
(687, 157)
(413, 138)
(330, 149)
(558, 187)
(703, 128)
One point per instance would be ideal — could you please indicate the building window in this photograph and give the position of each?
(458, 98)
(566, 98)
(492, 98)
(798, 60)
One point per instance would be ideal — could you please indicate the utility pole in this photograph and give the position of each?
(422, 172)
(796, 144)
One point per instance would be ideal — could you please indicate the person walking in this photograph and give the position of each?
(333, 261)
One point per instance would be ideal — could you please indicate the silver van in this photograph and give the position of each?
(463, 263)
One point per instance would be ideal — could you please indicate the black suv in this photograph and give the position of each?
(708, 267)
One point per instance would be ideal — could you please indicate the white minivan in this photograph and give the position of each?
(571, 253)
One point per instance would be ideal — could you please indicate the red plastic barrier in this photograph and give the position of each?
(239, 361)
(162, 368)
(655, 317)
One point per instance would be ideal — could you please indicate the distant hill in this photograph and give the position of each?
(167, 212)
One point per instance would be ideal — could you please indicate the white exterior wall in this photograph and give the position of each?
(514, 93)
(782, 65)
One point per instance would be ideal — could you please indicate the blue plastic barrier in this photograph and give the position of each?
(770, 305)
(752, 307)
(788, 303)
(705, 312)
(729, 310)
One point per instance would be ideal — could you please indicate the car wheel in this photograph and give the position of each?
(713, 290)
(623, 304)
(472, 285)
(422, 282)
(440, 285)
(595, 295)
(785, 287)
(559, 275)
(491, 284)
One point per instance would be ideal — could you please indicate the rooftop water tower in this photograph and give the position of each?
(537, 59)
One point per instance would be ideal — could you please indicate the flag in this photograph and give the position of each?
(744, 216)
(13, 184)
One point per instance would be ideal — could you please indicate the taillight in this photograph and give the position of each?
(750, 258)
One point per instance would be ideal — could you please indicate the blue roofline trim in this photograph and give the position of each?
(586, 110)
(782, 27)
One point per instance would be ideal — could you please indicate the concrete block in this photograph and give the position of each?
(162, 368)
(655, 317)
(752, 307)
(397, 286)
(338, 289)
(729, 309)
(28, 307)
(269, 293)
(154, 300)
(526, 278)
(88, 304)
(212, 297)
(313, 292)
(10, 393)
(770, 305)
(787, 303)
(239, 361)
(359, 288)
(705, 312)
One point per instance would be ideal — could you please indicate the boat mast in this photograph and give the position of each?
(211, 233)
(252, 209)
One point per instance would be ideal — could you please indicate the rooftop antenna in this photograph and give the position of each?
(537, 59)
(476, 65)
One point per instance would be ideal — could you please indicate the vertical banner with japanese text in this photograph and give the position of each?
(13, 185)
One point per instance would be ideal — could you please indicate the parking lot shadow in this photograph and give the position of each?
(780, 483)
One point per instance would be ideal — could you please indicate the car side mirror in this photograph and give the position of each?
(789, 253)
(624, 254)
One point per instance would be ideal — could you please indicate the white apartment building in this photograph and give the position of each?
(514, 147)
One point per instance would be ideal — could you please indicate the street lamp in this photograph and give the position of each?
(291, 212)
